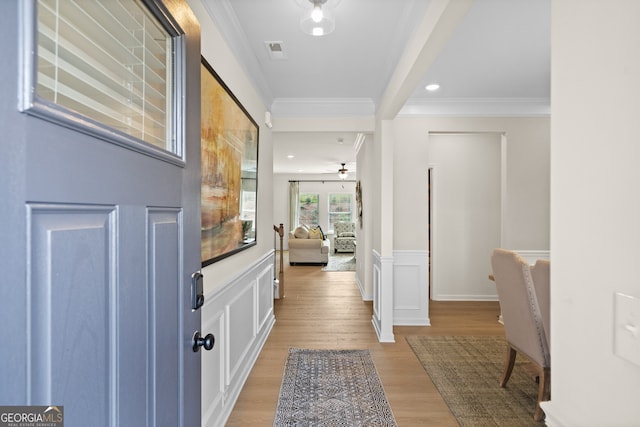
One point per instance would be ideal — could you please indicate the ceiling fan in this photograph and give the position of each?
(343, 172)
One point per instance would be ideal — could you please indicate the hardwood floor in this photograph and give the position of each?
(324, 310)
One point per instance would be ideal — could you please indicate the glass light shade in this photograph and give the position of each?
(316, 14)
(325, 26)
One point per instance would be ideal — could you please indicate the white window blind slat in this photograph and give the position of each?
(87, 105)
(110, 61)
(84, 55)
(105, 33)
(128, 18)
(106, 84)
(88, 86)
(155, 53)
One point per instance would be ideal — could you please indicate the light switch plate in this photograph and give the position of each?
(627, 327)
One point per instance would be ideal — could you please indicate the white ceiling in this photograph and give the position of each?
(497, 62)
(314, 153)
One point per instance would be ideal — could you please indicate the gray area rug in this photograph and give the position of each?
(332, 388)
(467, 371)
(341, 262)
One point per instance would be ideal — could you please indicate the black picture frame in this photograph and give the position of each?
(229, 183)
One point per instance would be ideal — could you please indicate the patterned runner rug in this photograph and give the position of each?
(467, 371)
(332, 388)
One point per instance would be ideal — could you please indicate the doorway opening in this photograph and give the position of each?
(465, 180)
(429, 225)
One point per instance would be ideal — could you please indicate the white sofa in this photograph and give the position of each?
(304, 249)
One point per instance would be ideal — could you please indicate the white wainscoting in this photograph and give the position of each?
(400, 292)
(240, 315)
(411, 288)
(382, 318)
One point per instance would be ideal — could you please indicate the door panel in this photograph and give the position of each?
(100, 242)
(71, 280)
(164, 272)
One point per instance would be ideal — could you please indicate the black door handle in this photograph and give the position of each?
(207, 341)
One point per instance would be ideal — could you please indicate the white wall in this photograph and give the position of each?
(526, 208)
(595, 208)
(239, 289)
(364, 259)
(527, 197)
(221, 59)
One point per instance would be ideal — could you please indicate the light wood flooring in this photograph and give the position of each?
(324, 310)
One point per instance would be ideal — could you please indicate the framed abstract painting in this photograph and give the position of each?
(229, 150)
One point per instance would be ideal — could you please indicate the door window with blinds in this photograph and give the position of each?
(112, 64)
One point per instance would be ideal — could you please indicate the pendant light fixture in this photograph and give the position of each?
(342, 173)
(317, 19)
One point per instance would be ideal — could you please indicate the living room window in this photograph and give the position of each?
(340, 207)
(309, 209)
(248, 212)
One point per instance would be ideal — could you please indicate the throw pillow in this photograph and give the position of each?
(301, 232)
(347, 234)
(315, 233)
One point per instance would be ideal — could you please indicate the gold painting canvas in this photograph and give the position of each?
(229, 141)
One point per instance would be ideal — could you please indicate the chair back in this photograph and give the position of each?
(343, 227)
(519, 304)
(541, 274)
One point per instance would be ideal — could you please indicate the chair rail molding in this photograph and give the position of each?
(532, 255)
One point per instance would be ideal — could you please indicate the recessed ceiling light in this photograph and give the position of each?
(290, 156)
(431, 87)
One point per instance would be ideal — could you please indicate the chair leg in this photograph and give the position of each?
(508, 365)
(544, 392)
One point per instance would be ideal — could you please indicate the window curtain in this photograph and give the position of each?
(294, 204)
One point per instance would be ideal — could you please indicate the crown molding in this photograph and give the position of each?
(322, 107)
(477, 107)
(415, 107)
(227, 22)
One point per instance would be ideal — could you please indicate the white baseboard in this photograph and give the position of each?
(456, 297)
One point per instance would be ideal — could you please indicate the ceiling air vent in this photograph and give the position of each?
(276, 50)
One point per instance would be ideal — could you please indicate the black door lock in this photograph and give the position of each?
(197, 293)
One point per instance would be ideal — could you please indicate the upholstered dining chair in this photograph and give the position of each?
(541, 275)
(522, 318)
